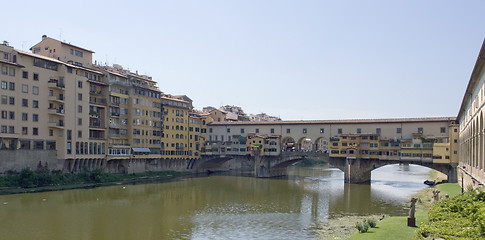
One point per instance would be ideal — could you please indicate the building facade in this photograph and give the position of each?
(317, 135)
(62, 111)
(472, 129)
(425, 148)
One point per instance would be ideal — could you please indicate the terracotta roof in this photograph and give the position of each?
(68, 44)
(349, 121)
(11, 63)
(83, 68)
(39, 56)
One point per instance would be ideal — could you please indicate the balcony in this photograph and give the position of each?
(96, 123)
(100, 82)
(98, 101)
(114, 135)
(114, 125)
(55, 84)
(58, 98)
(116, 82)
(114, 114)
(59, 124)
(95, 92)
(55, 111)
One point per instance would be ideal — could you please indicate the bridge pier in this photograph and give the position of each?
(357, 171)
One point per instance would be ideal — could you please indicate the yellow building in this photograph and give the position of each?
(447, 151)
(419, 147)
(197, 133)
(175, 140)
(218, 115)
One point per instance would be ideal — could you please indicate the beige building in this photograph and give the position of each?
(50, 104)
(472, 129)
(300, 135)
(59, 109)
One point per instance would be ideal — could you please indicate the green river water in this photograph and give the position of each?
(211, 207)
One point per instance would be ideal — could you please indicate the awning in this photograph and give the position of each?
(141, 150)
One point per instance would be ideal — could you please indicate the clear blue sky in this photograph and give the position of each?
(294, 59)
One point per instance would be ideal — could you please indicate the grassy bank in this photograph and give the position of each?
(42, 180)
(395, 227)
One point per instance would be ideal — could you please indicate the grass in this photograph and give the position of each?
(452, 189)
(395, 227)
(392, 228)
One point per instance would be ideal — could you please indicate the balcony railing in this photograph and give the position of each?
(55, 111)
(95, 92)
(55, 84)
(59, 98)
(99, 101)
(59, 124)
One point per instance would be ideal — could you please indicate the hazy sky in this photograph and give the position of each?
(294, 59)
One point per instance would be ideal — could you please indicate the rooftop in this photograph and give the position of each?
(349, 121)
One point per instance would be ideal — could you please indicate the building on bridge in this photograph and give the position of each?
(472, 129)
(442, 150)
(315, 136)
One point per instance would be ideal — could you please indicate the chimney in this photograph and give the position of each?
(44, 36)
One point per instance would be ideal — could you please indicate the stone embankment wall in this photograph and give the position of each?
(466, 179)
(19, 159)
(148, 165)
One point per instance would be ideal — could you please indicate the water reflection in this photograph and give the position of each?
(215, 207)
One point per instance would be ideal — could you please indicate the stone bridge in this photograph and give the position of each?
(356, 170)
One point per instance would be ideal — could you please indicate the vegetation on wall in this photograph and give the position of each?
(42, 177)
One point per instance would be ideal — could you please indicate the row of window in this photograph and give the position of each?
(8, 85)
(25, 102)
(87, 148)
(11, 115)
(146, 93)
(10, 71)
(322, 130)
(174, 103)
(146, 132)
(147, 141)
(25, 75)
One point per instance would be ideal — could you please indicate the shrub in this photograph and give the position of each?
(26, 178)
(462, 216)
(362, 227)
(372, 222)
(96, 175)
(42, 177)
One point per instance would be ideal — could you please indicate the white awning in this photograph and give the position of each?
(141, 150)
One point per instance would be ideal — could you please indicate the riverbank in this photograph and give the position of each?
(395, 227)
(18, 184)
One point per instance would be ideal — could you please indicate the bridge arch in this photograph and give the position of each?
(288, 144)
(321, 145)
(358, 170)
(305, 144)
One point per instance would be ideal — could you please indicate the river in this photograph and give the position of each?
(213, 207)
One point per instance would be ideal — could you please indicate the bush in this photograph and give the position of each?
(371, 222)
(362, 227)
(26, 178)
(42, 177)
(462, 216)
(96, 175)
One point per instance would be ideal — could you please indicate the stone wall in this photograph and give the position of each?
(19, 159)
(466, 180)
